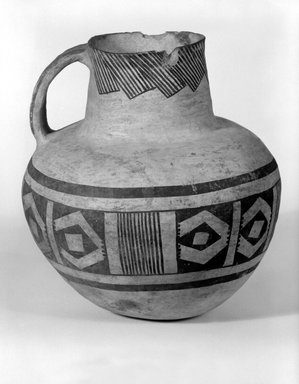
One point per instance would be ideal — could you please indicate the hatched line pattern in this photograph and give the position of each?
(140, 244)
(136, 73)
(104, 80)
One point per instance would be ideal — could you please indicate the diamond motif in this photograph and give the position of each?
(189, 253)
(74, 242)
(201, 238)
(256, 229)
(245, 247)
(70, 220)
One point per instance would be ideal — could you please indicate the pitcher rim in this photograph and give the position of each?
(181, 35)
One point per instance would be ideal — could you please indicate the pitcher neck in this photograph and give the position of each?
(160, 88)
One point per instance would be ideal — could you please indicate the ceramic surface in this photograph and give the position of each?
(151, 206)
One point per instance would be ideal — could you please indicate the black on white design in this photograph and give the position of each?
(258, 227)
(75, 242)
(153, 243)
(136, 73)
(36, 224)
(142, 243)
(195, 248)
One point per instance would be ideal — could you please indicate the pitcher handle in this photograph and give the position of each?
(38, 109)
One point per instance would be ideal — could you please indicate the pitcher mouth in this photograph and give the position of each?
(137, 63)
(137, 42)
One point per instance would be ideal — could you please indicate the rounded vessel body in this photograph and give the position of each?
(152, 206)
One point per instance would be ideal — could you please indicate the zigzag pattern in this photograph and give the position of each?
(136, 73)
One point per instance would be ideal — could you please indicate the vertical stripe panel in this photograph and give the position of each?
(128, 240)
(157, 243)
(149, 241)
(139, 243)
(146, 243)
(123, 260)
(134, 252)
(142, 243)
(125, 244)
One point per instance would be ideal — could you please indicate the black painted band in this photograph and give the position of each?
(160, 287)
(148, 192)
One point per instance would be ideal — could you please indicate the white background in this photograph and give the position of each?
(50, 334)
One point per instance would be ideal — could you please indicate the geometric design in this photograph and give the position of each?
(168, 237)
(50, 231)
(256, 229)
(73, 219)
(260, 206)
(33, 227)
(275, 209)
(74, 242)
(76, 218)
(136, 244)
(85, 261)
(189, 253)
(37, 226)
(201, 238)
(140, 246)
(136, 73)
(29, 202)
(234, 234)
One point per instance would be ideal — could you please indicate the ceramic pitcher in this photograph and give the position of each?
(151, 206)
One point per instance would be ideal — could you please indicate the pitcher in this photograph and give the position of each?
(151, 206)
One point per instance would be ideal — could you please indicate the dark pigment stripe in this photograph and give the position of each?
(160, 287)
(139, 192)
